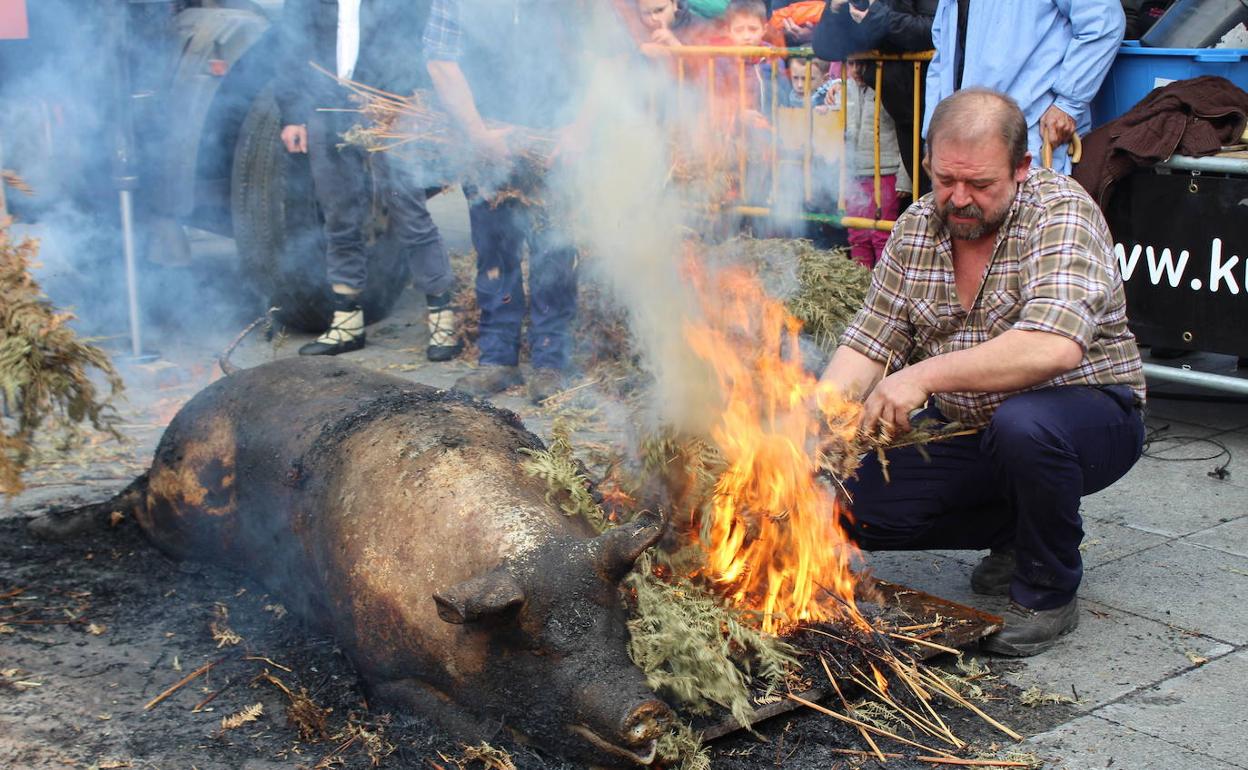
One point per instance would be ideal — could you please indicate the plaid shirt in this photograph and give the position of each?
(1053, 270)
(443, 38)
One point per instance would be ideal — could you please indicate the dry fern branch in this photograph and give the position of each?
(44, 366)
(248, 714)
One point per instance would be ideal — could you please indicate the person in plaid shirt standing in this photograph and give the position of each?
(997, 304)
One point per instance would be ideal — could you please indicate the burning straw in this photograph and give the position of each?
(44, 366)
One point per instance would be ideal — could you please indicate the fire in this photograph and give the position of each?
(772, 530)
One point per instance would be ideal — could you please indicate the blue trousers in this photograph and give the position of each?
(500, 235)
(1016, 483)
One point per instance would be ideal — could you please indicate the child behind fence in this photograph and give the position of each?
(865, 245)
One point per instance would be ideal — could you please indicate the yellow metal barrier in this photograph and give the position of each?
(781, 126)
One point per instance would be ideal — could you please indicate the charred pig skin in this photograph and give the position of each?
(398, 518)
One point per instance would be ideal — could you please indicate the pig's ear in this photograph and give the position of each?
(620, 547)
(493, 594)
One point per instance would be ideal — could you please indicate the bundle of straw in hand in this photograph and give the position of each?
(414, 129)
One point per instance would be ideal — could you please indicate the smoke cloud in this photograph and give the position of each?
(632, 220)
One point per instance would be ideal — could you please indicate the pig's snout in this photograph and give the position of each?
(636, 737)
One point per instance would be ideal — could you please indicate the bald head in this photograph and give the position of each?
(975, 115)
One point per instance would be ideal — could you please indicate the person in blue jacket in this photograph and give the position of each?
(1050, 56)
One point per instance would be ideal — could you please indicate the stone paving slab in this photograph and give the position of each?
(1202, 448)
(1231, 537)
(1204, 710)
(1194, 588)
(1111, 655)
(1106, 541)
(1092, 743)
(1170, 498)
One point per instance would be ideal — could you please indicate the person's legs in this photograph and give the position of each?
(414, 229)
(945, 500)
(339, 179)
(860, 202)
(420, 240)
(498, 238)
(1047, 449)
(499, 241)
(552, 300)
(888, 210)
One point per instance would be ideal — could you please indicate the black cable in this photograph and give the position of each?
(1156, 436)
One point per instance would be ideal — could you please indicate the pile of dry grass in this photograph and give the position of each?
(822, 288)
(44, 366)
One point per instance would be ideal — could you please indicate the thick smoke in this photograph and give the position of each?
(632, 220)
(59, 115)
(637, 223)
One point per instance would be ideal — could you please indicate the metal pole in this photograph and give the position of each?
(125, 177)
(132, 284)
(1223, 382)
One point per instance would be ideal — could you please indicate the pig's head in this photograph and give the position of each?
(558, 668)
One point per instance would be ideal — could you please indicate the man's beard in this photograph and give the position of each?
(971, 231)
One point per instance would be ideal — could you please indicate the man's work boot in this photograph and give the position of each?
(488, 379)
(346, 329)
(444, 343)
(544, 383)
(992, 576)
(1029, 632)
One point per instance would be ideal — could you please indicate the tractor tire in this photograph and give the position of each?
(279, 234)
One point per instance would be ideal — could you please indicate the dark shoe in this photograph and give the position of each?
(1029, 632)
(444, 343)
(345, 332)
(488, 380)
(322, 347)
(438, 353)
(992, 576)
(544, 383)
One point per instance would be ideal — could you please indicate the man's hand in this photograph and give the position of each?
(889, 406)
(295, 138)
(664, 36)
(832, 97)
(798, 33)
(859, 14)
(1056, 126)
(491, 143)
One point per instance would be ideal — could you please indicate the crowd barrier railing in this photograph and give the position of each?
(710, 60)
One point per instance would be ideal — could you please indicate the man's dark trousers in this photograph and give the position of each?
(499, 234)
(1016, 483)
(341, 181)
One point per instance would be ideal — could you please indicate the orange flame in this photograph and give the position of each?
(775, 542)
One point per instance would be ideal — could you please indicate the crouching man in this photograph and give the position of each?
(997, 304)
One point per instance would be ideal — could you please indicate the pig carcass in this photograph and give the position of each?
(398, 518)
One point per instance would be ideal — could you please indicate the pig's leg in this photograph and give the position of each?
(425, 700)
(92, 519)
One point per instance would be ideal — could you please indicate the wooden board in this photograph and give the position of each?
(960, 626)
